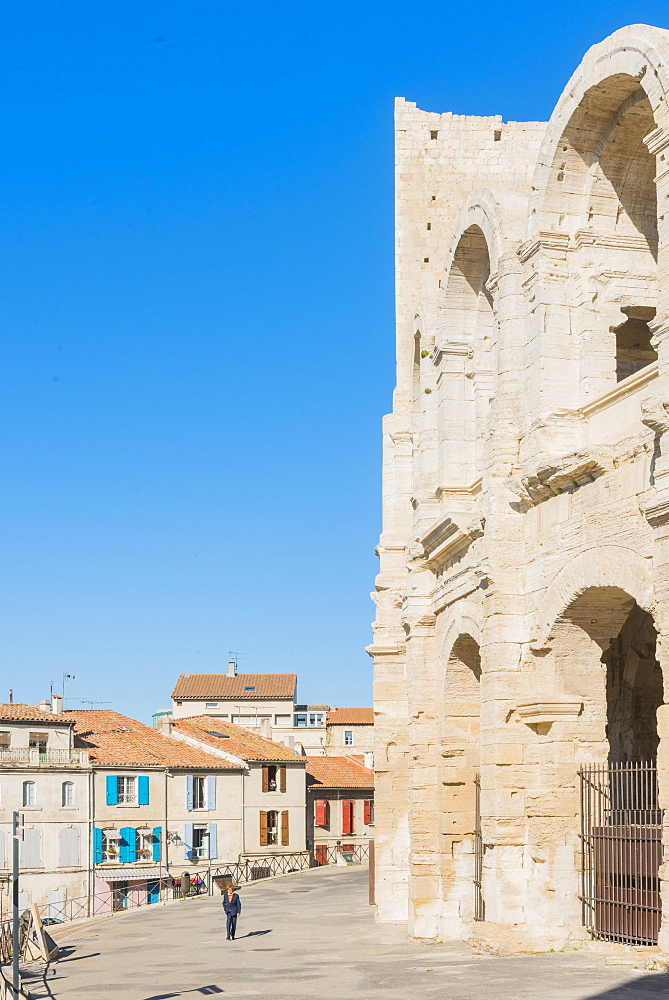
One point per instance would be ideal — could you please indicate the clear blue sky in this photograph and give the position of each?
(197, 306)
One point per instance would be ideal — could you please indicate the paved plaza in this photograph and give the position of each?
(312, 935)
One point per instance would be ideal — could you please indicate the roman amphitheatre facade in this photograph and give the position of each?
(521, 642)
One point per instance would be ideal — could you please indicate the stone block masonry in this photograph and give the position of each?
(522, 621)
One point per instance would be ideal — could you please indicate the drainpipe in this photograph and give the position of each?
(91, 824)
(165, 839)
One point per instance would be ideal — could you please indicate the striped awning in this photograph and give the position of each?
(128, 874)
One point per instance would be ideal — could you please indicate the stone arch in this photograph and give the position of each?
(460, 760)
(594, 208)
(613, 567)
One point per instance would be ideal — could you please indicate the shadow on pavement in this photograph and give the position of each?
(657, 984)
(254, 934)
(202, 990)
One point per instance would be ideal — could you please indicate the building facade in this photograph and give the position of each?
(340, 806)
(350, 731)
(522, 602)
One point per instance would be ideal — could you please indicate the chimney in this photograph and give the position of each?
(164, 725)
(45, 705)
(369, 760)
(232, 668)
(56, 704)
(265, 729)
(11, 696)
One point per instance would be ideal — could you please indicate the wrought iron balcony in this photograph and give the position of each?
(24, 757)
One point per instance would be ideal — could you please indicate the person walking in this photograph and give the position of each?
(232, 905)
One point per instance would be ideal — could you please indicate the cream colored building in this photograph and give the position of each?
(273, 788)
(350, 731)
(523, 597)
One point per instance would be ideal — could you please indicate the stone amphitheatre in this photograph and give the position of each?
(522, 628)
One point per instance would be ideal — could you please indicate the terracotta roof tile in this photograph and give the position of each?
(30, 713)
(350, 717)
(338, 772)
(234, 739)
(249, 687)
(115, 740)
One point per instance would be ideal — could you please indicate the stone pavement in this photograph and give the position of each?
(308, 936)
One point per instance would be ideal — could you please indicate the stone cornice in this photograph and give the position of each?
(548, 710)
(551, 240)
(657, 513)
(446, 538)
(378, 649)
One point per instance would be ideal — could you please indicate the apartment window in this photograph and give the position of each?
(272, 827)
(5, 741)
(211, 704)
(38, 741)
(144, 845)
(369, 812)
(111, 841)
(67, 793)
(274, 778)
(271, 778)
(199, 841)
(29, 797)
(126, 790)
(301, 719)
(348, 737)
(315, 718)
(199, 792)
(348, 817)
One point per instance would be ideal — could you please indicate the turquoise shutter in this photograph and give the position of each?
(128, 846)
(157, 830)
(189, 792)
(97, 845)
(213, 846)
(143, 790)
(211, 791)
(112, 790)
(188, 841)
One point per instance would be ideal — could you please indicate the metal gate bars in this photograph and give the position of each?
(479, 905)
(621, 843)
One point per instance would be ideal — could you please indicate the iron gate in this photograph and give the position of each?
(621, 843)
(479, 905)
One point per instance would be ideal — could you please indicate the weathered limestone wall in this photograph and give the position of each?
(521, 626)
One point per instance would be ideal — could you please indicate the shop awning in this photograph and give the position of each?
(128, 874)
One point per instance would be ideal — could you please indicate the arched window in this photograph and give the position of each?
(67, 793)
(29, 798)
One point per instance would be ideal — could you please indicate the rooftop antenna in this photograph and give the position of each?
(66, 677)
(87, 701)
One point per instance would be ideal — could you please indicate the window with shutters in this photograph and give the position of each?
(126, 790)
(29, 793)
(200, 836)
(321, 812)
(199, 792)
(5, 741)
(271, 778)
(69, 847)
(285, 834)
(31, 849)
(111, 840)
(144, 845)
(67, 793)
(369, 812)
(272, 827)
(347, 816)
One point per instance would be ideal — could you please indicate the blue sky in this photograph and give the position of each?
(197, 305)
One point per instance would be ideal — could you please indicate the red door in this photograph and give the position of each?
(321, 854)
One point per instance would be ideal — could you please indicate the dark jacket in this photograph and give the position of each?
(232, 906)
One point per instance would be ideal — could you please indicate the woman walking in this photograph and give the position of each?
(232, 905)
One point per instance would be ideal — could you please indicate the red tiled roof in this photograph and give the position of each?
(350, 717)
(234, 739)
(31, 713)
(242, 687)
(338, 772)
(115, 740)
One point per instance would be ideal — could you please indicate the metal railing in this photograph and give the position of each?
(621, 844)
(328, 855)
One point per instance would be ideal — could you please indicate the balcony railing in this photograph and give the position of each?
(24, 757)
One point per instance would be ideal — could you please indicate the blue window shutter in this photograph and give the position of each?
(211, 791)
(213, 846)
(189, 792)
(97, 845)
(112, 790)
(143, 790)
(157, 831)
(128, 847)
(188, 841)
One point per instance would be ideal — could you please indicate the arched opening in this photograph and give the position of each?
(459, 774)
(601, 193)
(468, 359)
